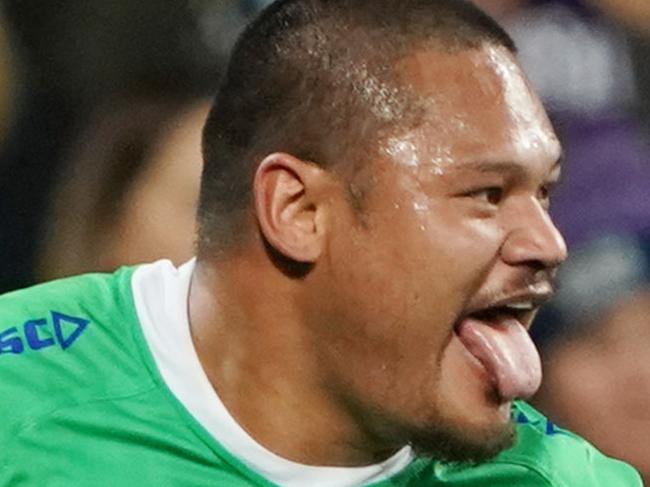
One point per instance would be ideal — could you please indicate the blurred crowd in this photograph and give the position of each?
(101, 108)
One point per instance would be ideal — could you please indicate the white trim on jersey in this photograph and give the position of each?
(160, 291)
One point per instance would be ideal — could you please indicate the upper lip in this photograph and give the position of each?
(535, 299)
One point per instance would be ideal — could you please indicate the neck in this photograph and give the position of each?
(260, 357)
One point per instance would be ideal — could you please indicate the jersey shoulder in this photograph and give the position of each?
(67, 342)
(56, 315)
(562, 458)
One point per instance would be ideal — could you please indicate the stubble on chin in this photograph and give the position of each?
(453, 443)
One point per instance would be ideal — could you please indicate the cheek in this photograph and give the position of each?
(388, 318)
(399, 285)
(412, 274)
(462, 251)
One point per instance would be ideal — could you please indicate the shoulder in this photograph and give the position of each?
(56, 314)
(561, 458)
(70, 289)
(65, 343)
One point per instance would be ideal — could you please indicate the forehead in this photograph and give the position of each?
(477, 105)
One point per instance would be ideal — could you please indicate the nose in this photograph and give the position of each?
(534, 239)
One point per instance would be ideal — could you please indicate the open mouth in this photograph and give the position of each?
(497, 336)
(522, 312)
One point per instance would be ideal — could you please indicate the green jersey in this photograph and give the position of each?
(96, 392)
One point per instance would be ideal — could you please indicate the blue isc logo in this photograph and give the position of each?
(42, 333)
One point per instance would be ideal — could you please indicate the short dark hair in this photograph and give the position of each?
(314, 78)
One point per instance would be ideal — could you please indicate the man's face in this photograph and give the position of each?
(430, 286)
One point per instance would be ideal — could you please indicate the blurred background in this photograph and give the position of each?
(93, 96)
(101, 107)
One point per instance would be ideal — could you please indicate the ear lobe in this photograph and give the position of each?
(286, 209)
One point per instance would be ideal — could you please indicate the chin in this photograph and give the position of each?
(462, 443)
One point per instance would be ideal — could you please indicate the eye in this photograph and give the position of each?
(492, 195)
(544, 196)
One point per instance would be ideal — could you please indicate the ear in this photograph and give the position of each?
(289, 206)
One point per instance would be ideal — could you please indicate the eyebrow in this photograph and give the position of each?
(505, 166)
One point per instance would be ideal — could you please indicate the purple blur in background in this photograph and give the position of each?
(606, 179)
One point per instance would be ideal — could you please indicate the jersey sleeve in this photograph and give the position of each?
(61, 344)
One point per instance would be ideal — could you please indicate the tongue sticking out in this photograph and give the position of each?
(507, 352)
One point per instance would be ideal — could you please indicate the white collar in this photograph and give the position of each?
(160, 292)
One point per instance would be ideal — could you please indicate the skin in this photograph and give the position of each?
(358, 356)
(598, 384)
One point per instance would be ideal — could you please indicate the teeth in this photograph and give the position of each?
(525, 306)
